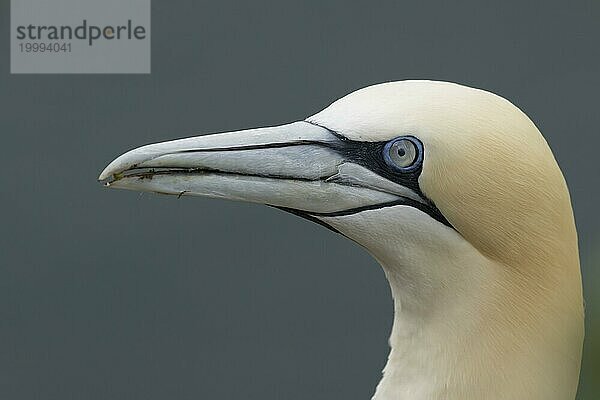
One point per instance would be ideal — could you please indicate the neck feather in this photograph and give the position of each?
(465, 326)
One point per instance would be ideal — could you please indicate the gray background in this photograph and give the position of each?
(117, 295)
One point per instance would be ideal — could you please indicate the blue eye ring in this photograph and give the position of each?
(406, 144)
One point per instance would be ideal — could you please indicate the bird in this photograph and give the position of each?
(456, 194)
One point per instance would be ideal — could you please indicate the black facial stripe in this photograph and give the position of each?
(370, 156)
(314, 216)
(307, 216)
(431, 211)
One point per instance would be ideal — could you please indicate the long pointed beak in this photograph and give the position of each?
(298, 166)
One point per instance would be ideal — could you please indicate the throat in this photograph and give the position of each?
(434, 355)
(440, 348)
(466, 327)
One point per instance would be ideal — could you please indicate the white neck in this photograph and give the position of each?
(458, 329)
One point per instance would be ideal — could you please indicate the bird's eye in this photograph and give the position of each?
(403, 153)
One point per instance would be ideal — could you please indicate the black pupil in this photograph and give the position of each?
(401, 152)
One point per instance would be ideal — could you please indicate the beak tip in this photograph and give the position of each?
(103, 176)
(109, 175)
(114, 171)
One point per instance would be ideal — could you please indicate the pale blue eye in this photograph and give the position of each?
(403, 153)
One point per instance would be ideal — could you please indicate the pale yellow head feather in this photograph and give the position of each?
(487, 167)
(493, 176)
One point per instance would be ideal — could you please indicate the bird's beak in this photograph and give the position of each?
(298, 166)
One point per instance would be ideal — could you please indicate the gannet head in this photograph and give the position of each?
(452, 189)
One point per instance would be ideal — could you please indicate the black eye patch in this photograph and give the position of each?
(371, 156)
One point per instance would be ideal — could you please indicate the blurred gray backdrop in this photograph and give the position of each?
(117, 295)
